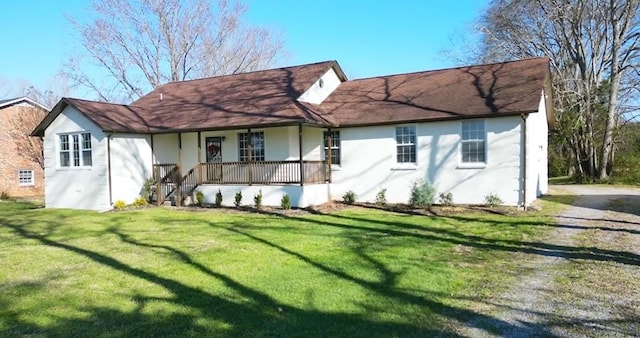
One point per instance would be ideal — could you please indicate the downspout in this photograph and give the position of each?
(524, 161)
(109, 169)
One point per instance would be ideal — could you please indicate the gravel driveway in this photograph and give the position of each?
(588, 283)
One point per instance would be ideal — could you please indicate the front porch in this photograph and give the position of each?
(291, 155)
(171, 182)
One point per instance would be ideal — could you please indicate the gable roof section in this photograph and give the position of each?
(256, 98)
(507, 88)
(109, 117)
(18, 100)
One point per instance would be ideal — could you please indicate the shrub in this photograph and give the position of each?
(446, 199)
(148, 189)
(237, 200)
(285, 202)
(219, 198)
(493, 200)
(422, 194)
(199, 197)
(381, 197)
(119, 205)
(4, 196)
(257, 200)
(349, 197)
(139, 202)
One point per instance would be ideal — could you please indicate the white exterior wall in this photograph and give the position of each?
(281, 144)
(537, 152)
(369, 163)
(300, 196)
(78, 188)
(316, 93)
(131, 165)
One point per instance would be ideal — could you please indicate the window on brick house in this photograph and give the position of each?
(26, 178)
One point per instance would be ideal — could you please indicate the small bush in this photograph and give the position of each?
(237, 199)
(381, 197)
(257, 200)
(148, 188)
(140, 202)
(285, 202)
(446, 199)
(349, 197)
(422, 194)
(219, 198)
(119, 205)
(4, 196)
(493, 200)
(199, 197)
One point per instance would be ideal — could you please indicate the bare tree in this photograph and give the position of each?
(20, 127)
(142, 44)
(593, 46)
(21, 124)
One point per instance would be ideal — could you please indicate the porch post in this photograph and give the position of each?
(249, 156)
(155, 174)
(300, 153)
(179, 175)
(328, 162)
(199, 158)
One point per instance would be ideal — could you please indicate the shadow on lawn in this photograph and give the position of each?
(257, 313)
(400, 229)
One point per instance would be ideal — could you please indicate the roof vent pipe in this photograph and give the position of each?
(160, 97)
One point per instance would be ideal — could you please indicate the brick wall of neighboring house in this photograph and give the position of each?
(12, 161)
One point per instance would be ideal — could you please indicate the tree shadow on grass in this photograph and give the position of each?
(402, 229)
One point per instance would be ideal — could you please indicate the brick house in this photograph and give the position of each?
(20, 174)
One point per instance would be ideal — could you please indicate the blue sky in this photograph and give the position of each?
(367, 38)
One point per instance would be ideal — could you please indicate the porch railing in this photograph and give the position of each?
(168, 178)
(264, 172)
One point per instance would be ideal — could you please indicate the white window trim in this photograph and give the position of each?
(404, 165)
(32, 181)
(473, 165)
(82, 166)
(334, 166)
(264, 132)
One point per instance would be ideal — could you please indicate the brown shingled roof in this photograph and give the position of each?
(466, 92)
(269, 98)
(256, 98)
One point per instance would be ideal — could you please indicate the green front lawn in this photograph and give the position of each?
(163, 272)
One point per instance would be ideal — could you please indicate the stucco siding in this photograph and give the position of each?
(322, 88)
(300, 196)
(369, 163)
(130, 165)
(537, 150)
(78, 188)
(281, 143)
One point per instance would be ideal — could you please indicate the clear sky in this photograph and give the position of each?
(367, 38)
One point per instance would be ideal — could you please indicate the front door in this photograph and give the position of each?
(214, 149)
(214, 155)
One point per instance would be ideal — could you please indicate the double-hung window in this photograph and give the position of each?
(473, 142)
(25, 178)
(75, 150)
(406, 144)
(256, 140)
(335, 146)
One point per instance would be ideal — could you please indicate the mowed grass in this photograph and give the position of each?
(166, 272)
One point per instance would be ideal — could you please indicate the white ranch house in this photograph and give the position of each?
(308, 132)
